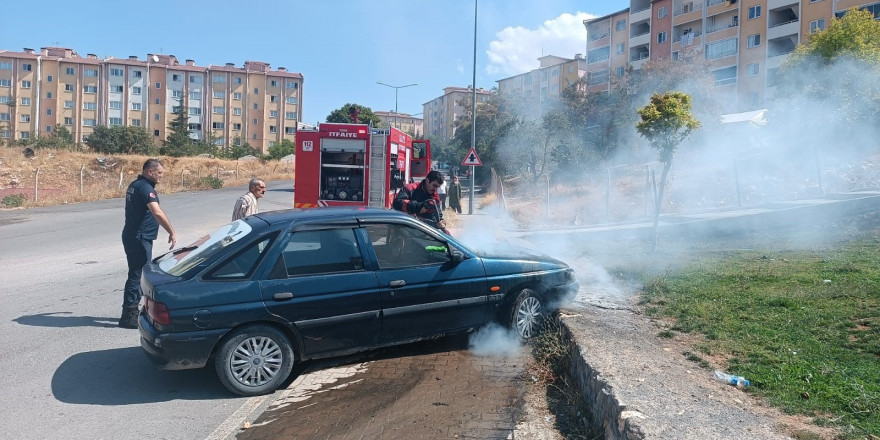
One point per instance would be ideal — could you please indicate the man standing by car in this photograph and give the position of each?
(247, 204)
(142, 219)
(421, 200)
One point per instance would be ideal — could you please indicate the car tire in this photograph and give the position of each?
(254, 360)
(526, 314)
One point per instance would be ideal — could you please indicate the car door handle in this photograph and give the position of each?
(397, 283)
(281, 296)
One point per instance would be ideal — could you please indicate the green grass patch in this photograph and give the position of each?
(803, 326)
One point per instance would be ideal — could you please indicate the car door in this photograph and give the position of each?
(422, 292)
(319, 285)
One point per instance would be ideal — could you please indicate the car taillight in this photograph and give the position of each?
(158, 312)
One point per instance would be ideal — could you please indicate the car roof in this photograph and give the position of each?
(330, 214)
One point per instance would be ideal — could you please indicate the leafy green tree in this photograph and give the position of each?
(495, 118)
(60, 138)
(119, 139)
(346, 113)
(665, 122)
(238, 149)
(178, 142)
(281, 149)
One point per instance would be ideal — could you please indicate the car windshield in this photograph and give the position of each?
(184, 259)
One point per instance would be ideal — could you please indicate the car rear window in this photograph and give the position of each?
(178, 262)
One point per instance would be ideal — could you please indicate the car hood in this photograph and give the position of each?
(500, 263)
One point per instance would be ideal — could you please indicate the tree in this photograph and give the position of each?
(495, 119)
(59, 138)
(665, 122)
(178, 142)
(346, 114)
(119, 139)
(281, 149)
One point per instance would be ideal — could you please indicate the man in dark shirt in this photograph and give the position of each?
(142, 219)
(421, 200)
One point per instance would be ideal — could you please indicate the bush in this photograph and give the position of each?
(13, 200)
(212, 182)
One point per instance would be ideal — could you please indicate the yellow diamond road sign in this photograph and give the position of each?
(472, 160)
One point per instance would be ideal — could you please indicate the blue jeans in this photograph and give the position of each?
(138, 252)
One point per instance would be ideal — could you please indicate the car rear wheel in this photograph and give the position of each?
(254, 360)
(526, 314)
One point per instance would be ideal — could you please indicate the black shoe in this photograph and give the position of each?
(129, 318)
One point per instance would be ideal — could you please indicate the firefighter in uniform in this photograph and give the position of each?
(422, 201)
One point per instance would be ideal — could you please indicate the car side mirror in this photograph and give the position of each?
(456, 256)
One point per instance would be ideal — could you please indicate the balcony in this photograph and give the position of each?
(783, 29)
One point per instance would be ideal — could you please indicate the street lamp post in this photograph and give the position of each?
(396, 88)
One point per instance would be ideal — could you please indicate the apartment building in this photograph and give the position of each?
(403, 121)
(744, 41)
(441, 113)
(226, 104)
(533, 89)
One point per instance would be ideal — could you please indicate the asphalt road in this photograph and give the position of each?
(68, 371)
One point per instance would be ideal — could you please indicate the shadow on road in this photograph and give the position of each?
(58, 319)
(124, 376)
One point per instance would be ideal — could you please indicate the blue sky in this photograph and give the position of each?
(342, 47)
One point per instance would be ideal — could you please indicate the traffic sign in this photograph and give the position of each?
(472, 160)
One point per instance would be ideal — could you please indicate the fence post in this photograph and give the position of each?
(81, 168)
(36, 185)
(119, 186)
(182, 186)
(218, 171)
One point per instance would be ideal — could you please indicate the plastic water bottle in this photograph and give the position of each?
(730, 379)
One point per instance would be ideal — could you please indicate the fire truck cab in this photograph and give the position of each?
(355, 165)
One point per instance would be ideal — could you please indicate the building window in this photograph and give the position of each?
(236, 111)
(195, 127)
(135, 122)
(273, 83)
(662, 12)
(256, 121)
(256, 106)
(135, 90)
(158, 85)
(156, 132)
(661, 37)
(116, 89)
(68, 104)
(5, 82)
(156, 118)
(273, 113)
(817, 25)
(219, 78)
(90, 89)
(290, 84)
(236, 127)
(135, 106)
(621, 25)
(68, 121)
(290, 115)
(115, 121)
(136, 73)
(25, 101)
(219, 94)
(49, 95)
(27, 67)
(290, 100)
(25, 84)
(25, 118)
(273, 98)
(69, 71)
(236, 80)
(273, 129)
(720, 49)
(90, 106)
(619, 49)
(48, 112)
(25, 135)
(256, 90)
(752, 69)
(5, 65)
(158, 101)
(5, 99)
(49, 78)
(116, 72)
(219, 110)
(619, 71)
(289, 130)
(271, 143)
(176, 94)
(175, 77)
(217, 125)
(195, 111)
(4, 117)
(236, 96)
(90, 72)
(255, 136)
(193, 79)
(4, 134)
(195, 96)
(68, 87)
(754, 40)
(754, 12)
(89, 122)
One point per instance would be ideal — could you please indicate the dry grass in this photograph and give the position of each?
(69, 177)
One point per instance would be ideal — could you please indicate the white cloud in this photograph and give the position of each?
(516, 50)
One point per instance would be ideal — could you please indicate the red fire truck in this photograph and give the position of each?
(356, 165)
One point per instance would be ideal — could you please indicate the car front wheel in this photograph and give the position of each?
(254, 360)
(526, 314)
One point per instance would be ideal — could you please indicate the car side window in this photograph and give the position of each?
(399, 246)
(324, 251)
(243, 263)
